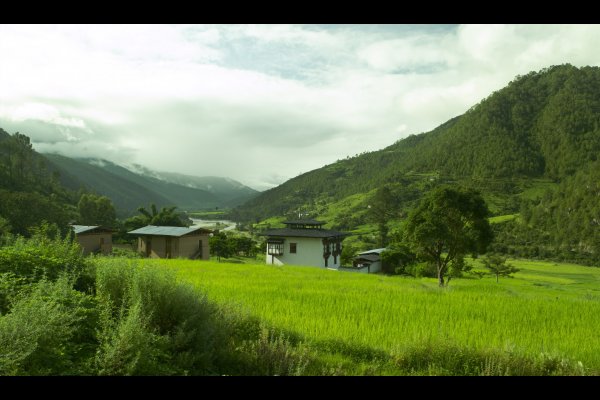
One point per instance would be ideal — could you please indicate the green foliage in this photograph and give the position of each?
(382, 208)
(153, 324)
(48, 331)
(447, 225)
(165, 217)
(395, 259)
(96, 210)
(221, 245)
(498, 266)
(46, 258)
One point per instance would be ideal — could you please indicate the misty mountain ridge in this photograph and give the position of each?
(130, 187)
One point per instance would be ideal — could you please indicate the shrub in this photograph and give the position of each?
(147, 305)
(41, 257)
(50, 330)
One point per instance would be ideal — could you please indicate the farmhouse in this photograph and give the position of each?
(304, 242)
(173, 242)
(93, 239)
(368, 261)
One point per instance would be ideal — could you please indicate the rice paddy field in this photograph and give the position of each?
(547, 309)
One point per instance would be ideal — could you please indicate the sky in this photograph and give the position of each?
(260, 104)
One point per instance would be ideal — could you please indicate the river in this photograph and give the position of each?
(224, 225)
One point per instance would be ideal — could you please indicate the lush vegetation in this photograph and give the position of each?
(63, 314)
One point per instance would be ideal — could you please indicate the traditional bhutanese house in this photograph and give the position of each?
(304, 242)
(93, 239)
(368, 261)
(173, 242)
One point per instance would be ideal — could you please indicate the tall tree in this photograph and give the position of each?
(96, 210)
(383, 206)
(448, 224)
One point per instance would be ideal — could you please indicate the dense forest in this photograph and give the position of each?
(29, 192)
(529, 148)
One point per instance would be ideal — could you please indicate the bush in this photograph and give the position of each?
(43, 258)
(50, 330)
(147, 307)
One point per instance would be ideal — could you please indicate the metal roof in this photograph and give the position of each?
(176, 231)
(78, 229)
(317, 233)
(368, 257)
(374, 251)
(304, 222)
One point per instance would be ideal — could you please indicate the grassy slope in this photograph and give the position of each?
(547, 308)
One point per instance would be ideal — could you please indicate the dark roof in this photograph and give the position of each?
(317, 233)
(374, 251)
(368, 257)
(304, 222)
(79, 229)
(168, 230)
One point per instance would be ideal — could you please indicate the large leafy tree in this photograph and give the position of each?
(96, 210)
(448, 224)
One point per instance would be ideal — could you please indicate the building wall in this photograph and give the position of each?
(188, 246)
(309, 251)
(91, 242)
(184, 247)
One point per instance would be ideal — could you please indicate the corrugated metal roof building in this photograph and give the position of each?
(173, 241)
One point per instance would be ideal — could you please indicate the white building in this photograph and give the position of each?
(304, 242)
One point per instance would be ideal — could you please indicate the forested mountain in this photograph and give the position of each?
(131, 189)
(29, 191)
(542, 127)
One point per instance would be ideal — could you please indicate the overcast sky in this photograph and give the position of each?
(258, 103)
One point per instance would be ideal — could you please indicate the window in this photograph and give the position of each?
(275, 248)
(293, 248)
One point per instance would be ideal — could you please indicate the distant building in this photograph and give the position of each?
(93, 239)
(173, 242)
(368, 261)
(304, 242)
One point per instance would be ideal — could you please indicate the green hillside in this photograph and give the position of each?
(515, 146)
(125, 194)
(29, 191)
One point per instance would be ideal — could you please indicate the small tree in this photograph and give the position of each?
(498, 266)
(448, 224)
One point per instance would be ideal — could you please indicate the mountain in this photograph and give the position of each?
(230, 191)
(514, 146)
(130, 189)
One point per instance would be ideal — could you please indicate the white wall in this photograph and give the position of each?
(309, 251)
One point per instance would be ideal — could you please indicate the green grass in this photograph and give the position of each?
(546, 309)
(502, 218)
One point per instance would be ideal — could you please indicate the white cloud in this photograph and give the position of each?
(258, 103)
